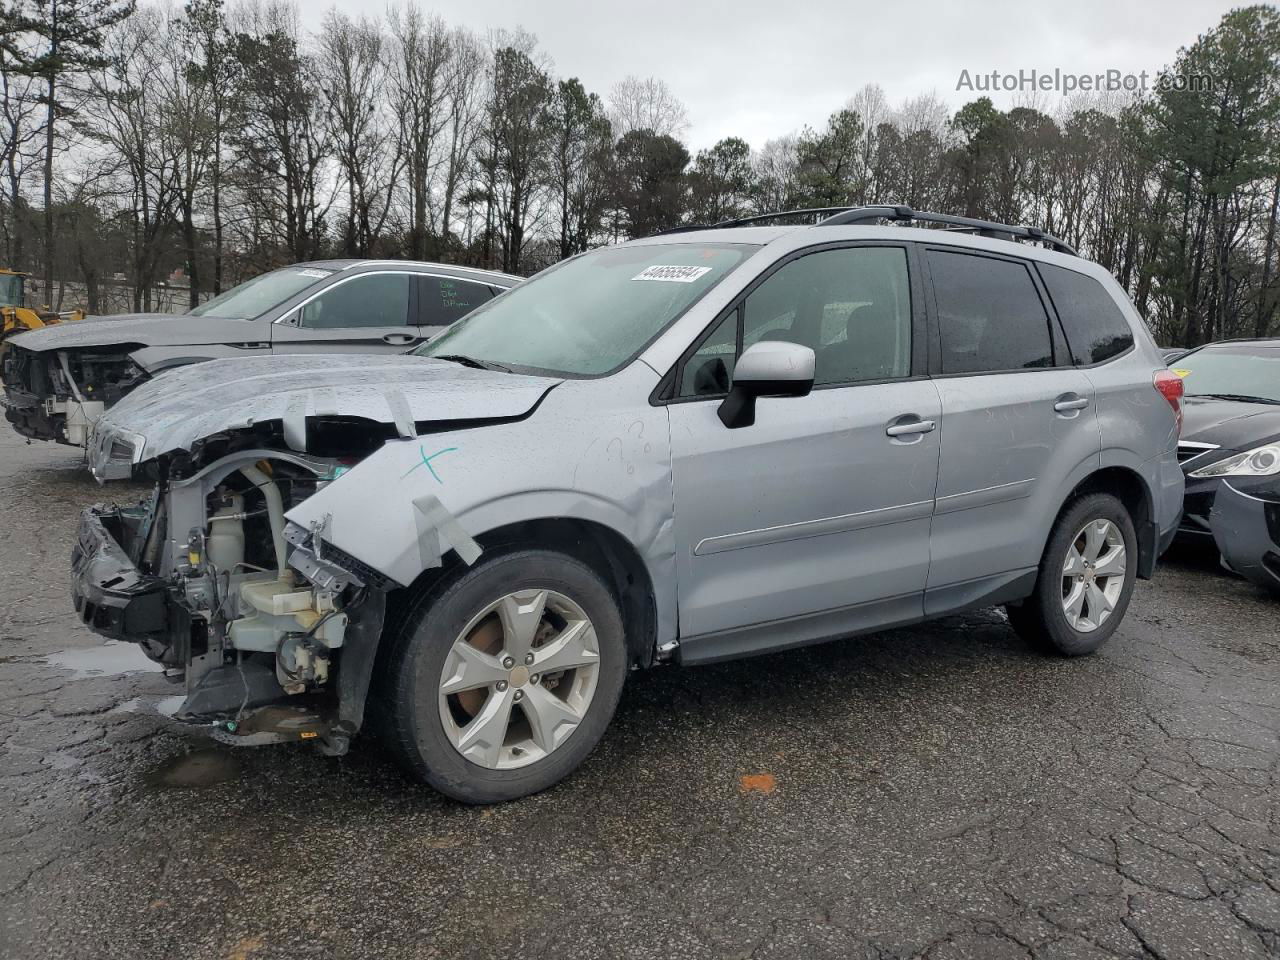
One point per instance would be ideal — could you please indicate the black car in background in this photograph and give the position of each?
(1230, 452)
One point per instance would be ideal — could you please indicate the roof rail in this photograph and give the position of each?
(846, 216)
(983, 228)
(801, 212)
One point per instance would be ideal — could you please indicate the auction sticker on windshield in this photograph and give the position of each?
(672, 274)
(317, 274)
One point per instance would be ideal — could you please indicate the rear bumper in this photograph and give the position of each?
(112, 596)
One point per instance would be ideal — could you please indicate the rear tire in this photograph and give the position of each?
(464, 712)
(1085, 580)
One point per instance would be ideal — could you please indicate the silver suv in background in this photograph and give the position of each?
(58, 380)
(687, 448)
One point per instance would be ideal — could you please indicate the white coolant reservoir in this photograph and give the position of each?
(225, 543)
(81, 416)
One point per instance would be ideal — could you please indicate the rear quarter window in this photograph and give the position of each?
(1096, 329)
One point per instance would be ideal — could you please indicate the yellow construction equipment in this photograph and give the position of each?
(17, 315)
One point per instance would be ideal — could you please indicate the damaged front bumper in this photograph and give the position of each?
(43, 401)
(1241, 518)
(266, 655)
(62, 421)
(112, 596)
(1246, 530)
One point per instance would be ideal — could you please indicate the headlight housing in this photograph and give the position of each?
(1261, 461)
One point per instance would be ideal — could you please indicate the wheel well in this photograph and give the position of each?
(1131, 490)
(602, 549)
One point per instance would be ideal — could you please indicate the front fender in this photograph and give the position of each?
(584, 454)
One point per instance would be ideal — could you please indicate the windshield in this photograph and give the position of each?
(255, 297)
(592, 314)
(11, 290)
(1231, 373)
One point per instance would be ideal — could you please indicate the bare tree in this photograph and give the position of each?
(186, 127)
(646, 104)
(128, 95)
(71, 36)
(281, 140)
(466, 103)
(519, 133)
(774, 173)
(213, 68)
(419, 91)
(353, 74)
(581, 155)
(22, 127)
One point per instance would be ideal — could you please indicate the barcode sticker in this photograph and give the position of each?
(672, 274)
(315, 274)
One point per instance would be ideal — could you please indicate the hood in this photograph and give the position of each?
(142, 329)
(1229, 424)
(188, 404)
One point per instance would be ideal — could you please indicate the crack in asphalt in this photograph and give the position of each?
(941, 792)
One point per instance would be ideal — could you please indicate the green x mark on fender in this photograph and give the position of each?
(426, 462)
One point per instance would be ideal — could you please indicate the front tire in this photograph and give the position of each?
(1085, 580)
(503, 680)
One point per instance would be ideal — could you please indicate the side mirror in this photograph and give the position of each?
(770, 368)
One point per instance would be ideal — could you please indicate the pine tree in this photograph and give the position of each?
(70, 35)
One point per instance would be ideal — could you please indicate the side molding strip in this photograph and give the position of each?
(825, 526)
(986, 496)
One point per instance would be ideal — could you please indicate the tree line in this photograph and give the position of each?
(138, 140)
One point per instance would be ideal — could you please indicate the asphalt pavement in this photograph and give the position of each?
(937, 792)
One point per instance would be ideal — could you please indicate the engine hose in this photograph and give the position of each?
(275, 511)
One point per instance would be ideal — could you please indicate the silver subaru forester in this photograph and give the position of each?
(696, 446)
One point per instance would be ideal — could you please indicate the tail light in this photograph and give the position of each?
(1170, 386)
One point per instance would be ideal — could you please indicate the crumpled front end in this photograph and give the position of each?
(271, 641)
(59, 395)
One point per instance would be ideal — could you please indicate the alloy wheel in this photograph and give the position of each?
(1093, 575)
(519, 679)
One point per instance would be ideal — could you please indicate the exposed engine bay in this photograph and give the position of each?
(271, 639)
(264, 597)
(59, 395)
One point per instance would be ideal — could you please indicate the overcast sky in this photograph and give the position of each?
(762, 68)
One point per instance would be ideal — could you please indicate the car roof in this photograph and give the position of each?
(1242, 345)
(784, 239)
(417, 266)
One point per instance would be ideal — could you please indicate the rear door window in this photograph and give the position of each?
(443, 300)
(990, 316)
(1096, 329)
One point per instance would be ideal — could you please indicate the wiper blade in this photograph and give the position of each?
(1239, 397)
(471, 362)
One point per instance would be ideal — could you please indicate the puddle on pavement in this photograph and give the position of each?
(111, 659)
(200, 768)
(165, 707)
